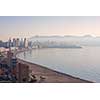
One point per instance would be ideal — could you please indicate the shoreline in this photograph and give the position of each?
(50, 75)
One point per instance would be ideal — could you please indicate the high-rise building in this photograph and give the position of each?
(17, 42)
(22, 72)
(25, 43)
(30, 44)
(14, 42)
(21, 43)
(9, 43)
(9, 56)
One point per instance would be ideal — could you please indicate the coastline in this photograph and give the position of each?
(49, 75)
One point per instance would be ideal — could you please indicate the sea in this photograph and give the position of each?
(82, 62)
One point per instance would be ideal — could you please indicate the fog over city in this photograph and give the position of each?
(85, 40)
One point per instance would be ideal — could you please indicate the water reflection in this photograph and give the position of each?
(24, 54)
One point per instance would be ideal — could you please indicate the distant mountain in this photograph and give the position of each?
(85, 40)
(37, 36)
(57, 36)
(89, 36)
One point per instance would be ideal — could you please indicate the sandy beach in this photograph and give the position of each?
(45, 75)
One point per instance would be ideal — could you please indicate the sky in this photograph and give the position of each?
(27, 26)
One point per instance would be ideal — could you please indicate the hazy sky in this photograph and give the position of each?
(27, 26)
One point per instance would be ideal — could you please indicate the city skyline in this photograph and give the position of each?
(27, 26)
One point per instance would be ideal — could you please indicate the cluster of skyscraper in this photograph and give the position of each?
(16, 42)
(9, 68)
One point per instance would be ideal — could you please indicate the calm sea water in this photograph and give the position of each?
(83, 63)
